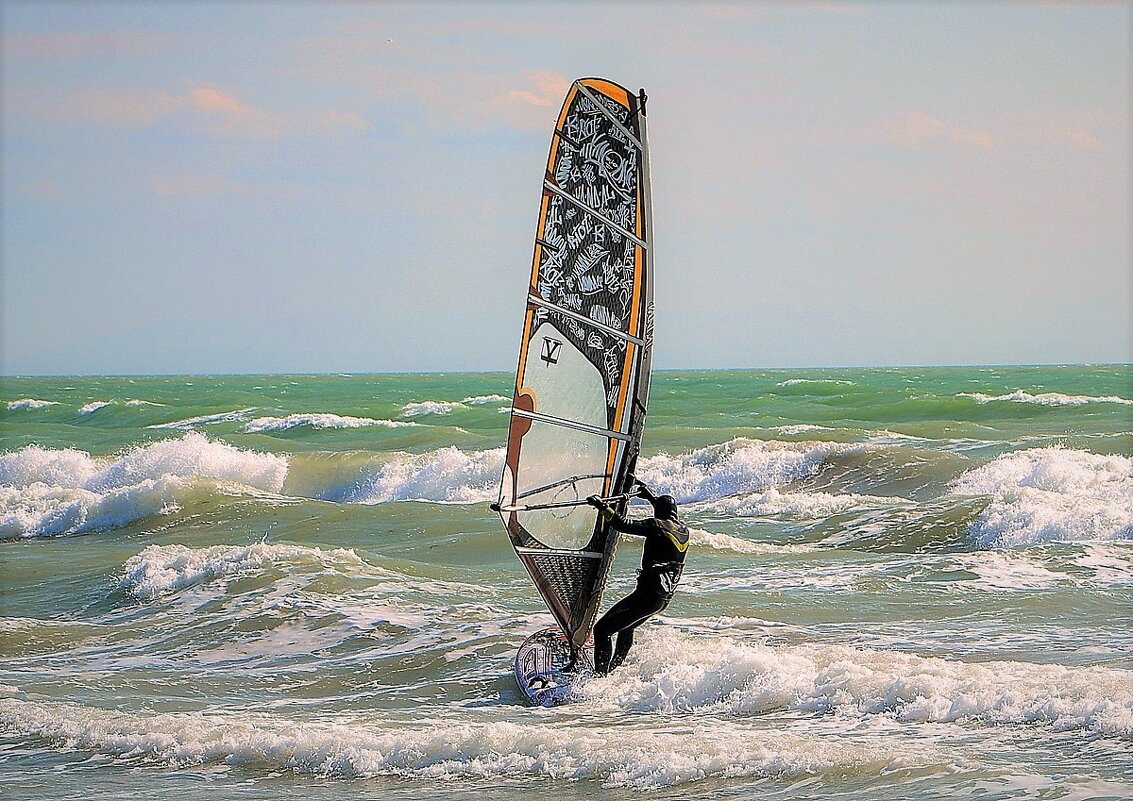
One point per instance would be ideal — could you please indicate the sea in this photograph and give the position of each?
(906, 583)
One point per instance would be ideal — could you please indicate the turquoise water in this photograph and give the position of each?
(904, 583)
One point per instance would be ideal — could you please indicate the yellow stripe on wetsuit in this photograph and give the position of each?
(671, 532)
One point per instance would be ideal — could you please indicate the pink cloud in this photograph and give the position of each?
(208, 108)
(223, 114)
(917, 130)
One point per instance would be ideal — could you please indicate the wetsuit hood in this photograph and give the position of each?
(665, 507)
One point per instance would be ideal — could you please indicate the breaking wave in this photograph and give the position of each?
(673, 672)
(237, 416)
(798, 505)
(317, 420)
(737, 467)
(1051, 495)
(29, 403)
(794, 382)
(449, 750)
(420, 408)
(94, 406)
(49, 492)
(446, 475)
(1044, 398)
(162, 569)
(717, 541)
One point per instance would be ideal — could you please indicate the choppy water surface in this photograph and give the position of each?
(907, 583)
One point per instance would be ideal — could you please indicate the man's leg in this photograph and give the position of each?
(607, 626)
(631, 611)
(647, 607)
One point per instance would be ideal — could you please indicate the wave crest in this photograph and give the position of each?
(740, 466)
(675, 672)
(162, 569)
(1044, 398)
(1051, 495)
(48, 492)
(317, 420)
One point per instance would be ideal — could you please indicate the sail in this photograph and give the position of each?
(584, 359)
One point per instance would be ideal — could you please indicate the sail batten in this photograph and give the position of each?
(581, 388)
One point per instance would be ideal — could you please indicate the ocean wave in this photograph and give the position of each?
(802, 428)
(715, 541)
(1051, 495)
(94, 406)
(430, 407)
(672, 672)
(479, 400)
(1044, 398)
(737, 467)
(794, 382)
(798, 505)
(317, 420)
(449, 750)
(47, 492)
(29, 403)
(446, 475)
(237, 416)
(162, 569)
(420, 408)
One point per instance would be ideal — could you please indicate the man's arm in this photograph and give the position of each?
(638, 528)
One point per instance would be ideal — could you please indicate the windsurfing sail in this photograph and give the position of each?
(584, 359)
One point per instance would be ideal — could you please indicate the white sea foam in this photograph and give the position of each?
(137, 402)
(94, 406)
(49, 492)
(674, 672)
(30, 403)
(161, 569)
(452, 750)
(317, 420)
(1044, 398)
(430, 407)
(420, 408)
(802, 428)
(446, 475)
(478, 400)
(716, 541)
(1009, 570)
(1051, 494)
(237, 416)
(793, 382)
(740, 466)
(799, 505)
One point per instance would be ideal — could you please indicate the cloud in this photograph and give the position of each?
(223, 114)
(919, 131)
(1066, 130)
(206, 108)
(528, 106)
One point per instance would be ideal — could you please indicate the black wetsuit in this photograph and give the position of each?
(666, 542)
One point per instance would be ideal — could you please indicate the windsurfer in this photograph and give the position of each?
(666, 542)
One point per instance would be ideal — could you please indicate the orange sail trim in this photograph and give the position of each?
(610, 90)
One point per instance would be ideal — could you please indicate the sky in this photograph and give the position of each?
(225, 187)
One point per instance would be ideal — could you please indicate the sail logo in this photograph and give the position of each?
(550, 353)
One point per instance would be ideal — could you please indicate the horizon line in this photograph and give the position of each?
(349, 373)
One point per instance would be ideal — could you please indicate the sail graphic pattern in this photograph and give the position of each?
(583, 377)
